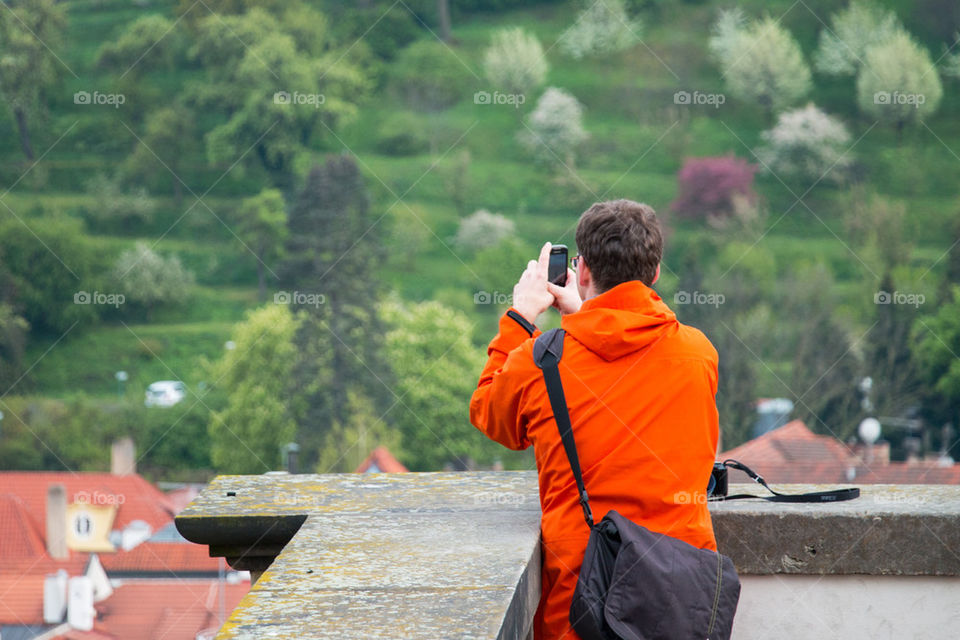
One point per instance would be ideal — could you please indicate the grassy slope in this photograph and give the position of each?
(638, 140)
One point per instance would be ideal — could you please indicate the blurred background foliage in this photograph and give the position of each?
(383, 158)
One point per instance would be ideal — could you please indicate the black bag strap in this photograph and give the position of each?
(547, 351)
(835, 495)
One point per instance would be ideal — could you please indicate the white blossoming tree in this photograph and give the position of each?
(602, 27)
(554, 129)
(760, 61)
(842, 47)
(898, 83)
(805, 145)
(483, 229)
(514, 62)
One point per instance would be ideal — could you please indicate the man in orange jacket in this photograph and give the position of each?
(641, 391)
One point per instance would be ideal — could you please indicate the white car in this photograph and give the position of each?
(165, 393)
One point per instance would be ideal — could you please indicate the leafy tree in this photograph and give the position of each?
(333, 252)
(427, 76)
(28, 66)
(44, 264)
(385, 27)
(889, 357)
(855, 29)
(761, 62)
(262, 225)
(937, 339)
(246, 436)
(498, 268)
(146, 43)
(806, 144)
(435, 364)
(346, 446)
(601, 28)
(898, 83)
(148, 279)
(826, 358)
(169, 136)
(554, 129)
(483, 229)
(708, 187)
(276, 81)
(515, 62)
(725, 34)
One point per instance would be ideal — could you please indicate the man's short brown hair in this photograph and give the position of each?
(620, 240)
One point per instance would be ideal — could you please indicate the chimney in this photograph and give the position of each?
(55, 597)
(57, 522)
(122, 460)
(80, 611)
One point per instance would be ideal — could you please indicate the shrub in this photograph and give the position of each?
(514, 62)
(806, 144)
(761, 62)
(898, 83)
(707, 187)
(555, 127)
(428, 76)
(602, 27)
(115, 208)
(148, 279)
(483, 229)
(854, 29)
(402, 134)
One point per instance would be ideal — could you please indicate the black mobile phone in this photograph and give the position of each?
(557, 272)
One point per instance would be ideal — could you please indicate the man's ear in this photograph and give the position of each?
(656, 276)
(583, 275)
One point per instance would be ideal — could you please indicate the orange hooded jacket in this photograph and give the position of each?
(641, 391)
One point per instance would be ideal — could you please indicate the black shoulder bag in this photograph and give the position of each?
(635, 583)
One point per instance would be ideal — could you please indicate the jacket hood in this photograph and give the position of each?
(620, 321)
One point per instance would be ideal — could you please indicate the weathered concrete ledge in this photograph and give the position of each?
(426, 555)
(908, 530)
(456, 555)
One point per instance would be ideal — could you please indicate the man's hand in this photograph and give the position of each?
(531, 297)
(566, 298)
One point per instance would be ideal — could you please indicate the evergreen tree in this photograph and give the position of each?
(889, 356)
(333, 251)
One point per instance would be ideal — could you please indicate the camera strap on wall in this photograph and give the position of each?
(834, 495)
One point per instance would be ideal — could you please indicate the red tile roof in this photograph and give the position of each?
(19, 537)
(167, 609)
(381, 460)
(137, 498)
(21, 598)
(153, 557)
(793, 453)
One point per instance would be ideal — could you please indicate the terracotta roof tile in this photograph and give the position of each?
(794, 454)
(382, 461)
